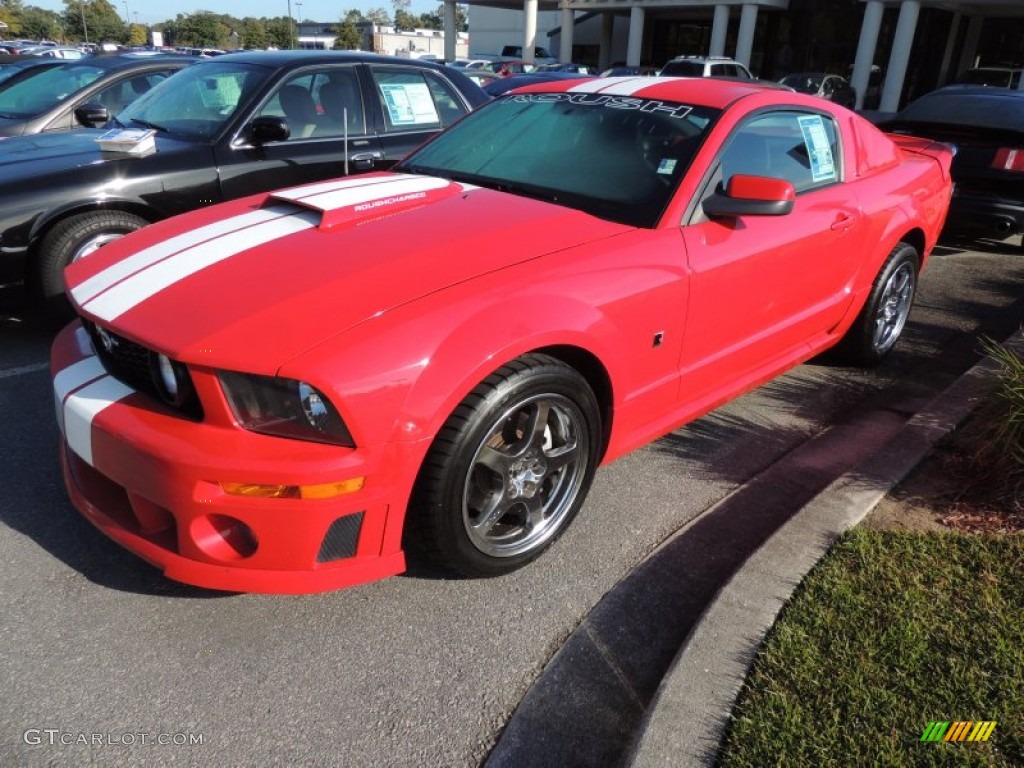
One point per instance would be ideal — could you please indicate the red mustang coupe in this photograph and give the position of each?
(285, 392)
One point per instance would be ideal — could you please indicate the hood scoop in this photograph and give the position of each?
(353, 200)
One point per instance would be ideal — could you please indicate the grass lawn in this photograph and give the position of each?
(891, 631)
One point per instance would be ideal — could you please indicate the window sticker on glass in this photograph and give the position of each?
(409, 103)
(667, 166)
(819, 150)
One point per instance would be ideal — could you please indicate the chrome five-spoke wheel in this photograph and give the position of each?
(509, 469)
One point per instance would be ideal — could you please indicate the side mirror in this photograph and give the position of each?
(752, 196)
(268, 128)
(92, 115)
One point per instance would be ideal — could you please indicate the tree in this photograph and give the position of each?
(10, 14)
(405, 21)
(201, 30)
(280, 32)
(137, 35)
(378, 16)
(349, 38)
(252, 33)
(102, 21)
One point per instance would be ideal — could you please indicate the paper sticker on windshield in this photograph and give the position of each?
(667, 166)
(409, 103)
(819, 149)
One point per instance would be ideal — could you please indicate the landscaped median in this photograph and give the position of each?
(905, 645)
(890, 633)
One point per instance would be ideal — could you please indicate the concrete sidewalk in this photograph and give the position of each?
(650, 676)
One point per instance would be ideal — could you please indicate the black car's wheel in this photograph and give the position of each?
(509, 469)
(881, 321)
(75, 238)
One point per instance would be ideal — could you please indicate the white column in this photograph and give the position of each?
(451, 35)
(719, 30)
(634, 48)
(745, 37)
(897, 70)
(947, 55)
(568, 26)
(869, 29)
(529, 29)
(604, 56)
(971, 40)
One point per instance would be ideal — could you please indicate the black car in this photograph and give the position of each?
(986, 125)
(224, 127)
(47, 101)
(831, 87)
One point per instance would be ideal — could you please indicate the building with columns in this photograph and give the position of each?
(892, 50)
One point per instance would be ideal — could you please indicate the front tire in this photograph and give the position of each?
(509, 470)
(880, 323)
(75, 238)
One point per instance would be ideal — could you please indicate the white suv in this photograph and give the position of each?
(705, 66)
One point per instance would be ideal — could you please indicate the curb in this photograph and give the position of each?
(686, 720)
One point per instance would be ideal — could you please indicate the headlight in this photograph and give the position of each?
(272, 405)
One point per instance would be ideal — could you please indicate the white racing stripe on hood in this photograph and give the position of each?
(298, 193)
(614, 86)
(144, 284)
(101, 281)
(346, 198)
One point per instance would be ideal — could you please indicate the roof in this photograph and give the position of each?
(707, 91)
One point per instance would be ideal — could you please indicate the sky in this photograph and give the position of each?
(151, 12)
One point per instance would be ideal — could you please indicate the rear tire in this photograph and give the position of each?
(509, 470)
(71, 239)
(880, 323)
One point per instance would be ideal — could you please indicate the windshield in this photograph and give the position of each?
(41, 92)
(619, 158)
(198, 101)
(683, 69)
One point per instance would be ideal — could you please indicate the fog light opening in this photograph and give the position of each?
(222, 537)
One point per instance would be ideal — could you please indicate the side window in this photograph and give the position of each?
(449, 105)
(800, 147)
(294, 102)
(408, 100)
(319, 103)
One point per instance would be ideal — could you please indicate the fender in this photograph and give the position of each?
(44, 221)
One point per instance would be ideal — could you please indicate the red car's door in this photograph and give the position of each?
(763, 286)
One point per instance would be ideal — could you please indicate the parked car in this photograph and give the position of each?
(705, 66)
(506, 84)
(225, 127)
(482, 77)
(994, 77)
(509, 68)
(283, 392)
(831, 87)
(540, 55)
(578, 69)
(986, 126)
(19, 66)
(57, 52)
(622, 70)
(47, 101)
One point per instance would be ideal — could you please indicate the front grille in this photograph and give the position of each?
(132, 364)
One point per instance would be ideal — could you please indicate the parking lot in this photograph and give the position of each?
(106, 662)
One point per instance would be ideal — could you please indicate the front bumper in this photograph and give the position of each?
(150, 480)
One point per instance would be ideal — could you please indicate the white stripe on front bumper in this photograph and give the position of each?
(82, 406)
(70, 379)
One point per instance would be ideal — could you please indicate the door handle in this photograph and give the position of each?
(360, 157)
(844, 221)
